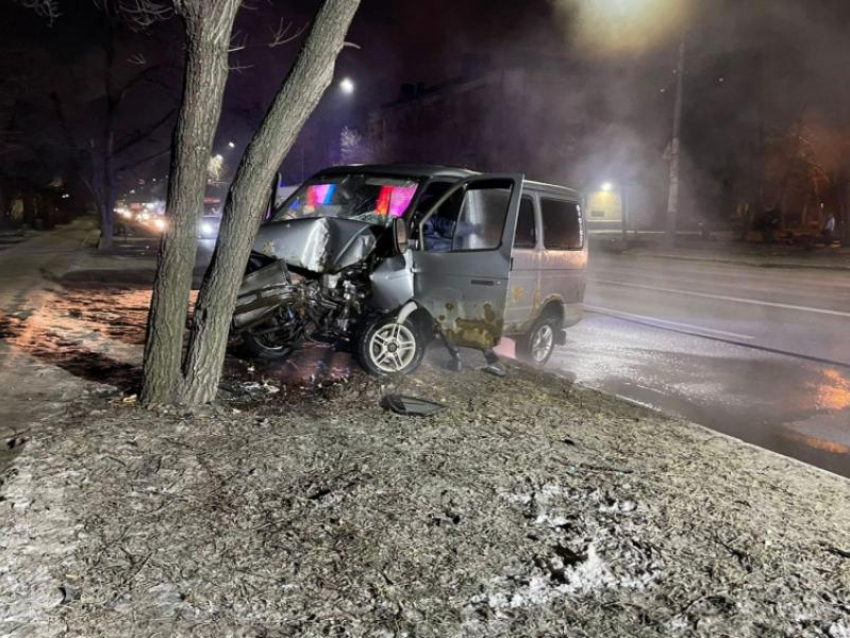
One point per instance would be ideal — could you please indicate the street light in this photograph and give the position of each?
(612, 28)
(231, 145)
(621, 26)
(346, 86)
(615, 195)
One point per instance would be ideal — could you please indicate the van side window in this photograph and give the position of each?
(482, 217)
(471, 219)
(526, 229)
(561, 225)
(438, 232)
(433, 192)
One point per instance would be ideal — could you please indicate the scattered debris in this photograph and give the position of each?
(255, 387)
(496, 371)
(69, 594)
(411, 406)
(15, 442)
(839, 552)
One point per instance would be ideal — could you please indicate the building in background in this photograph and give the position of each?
(540, 117)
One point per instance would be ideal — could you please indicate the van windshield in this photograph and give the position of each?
(373, 199)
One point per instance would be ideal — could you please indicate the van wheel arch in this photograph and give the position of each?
(553, 308)
(425, 323)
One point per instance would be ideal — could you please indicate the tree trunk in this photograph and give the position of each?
(208, 26)
(107, 195)
(295, 101)
(107, 176)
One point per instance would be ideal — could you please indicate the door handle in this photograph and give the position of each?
(482, 282)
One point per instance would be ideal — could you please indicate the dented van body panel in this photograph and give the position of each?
(433, 243)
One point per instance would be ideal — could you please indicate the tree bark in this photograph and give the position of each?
(297, 98)
(208, 25)
(107, 177)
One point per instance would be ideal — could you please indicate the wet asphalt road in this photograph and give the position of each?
(760, 354)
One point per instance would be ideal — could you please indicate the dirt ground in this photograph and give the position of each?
(298, 506)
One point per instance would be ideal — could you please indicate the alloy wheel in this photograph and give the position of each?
(392, 347)
(543, 342)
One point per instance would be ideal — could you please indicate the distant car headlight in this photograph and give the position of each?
(160, 224)
(207, 228)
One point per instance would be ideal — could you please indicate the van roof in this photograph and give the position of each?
(408, 170)
(433, 171)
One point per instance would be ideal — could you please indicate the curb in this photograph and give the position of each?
(744, 262)
(722, 435)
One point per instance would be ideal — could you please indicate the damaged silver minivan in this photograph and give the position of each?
(387, 258)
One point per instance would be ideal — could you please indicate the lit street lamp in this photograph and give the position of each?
(622, 27)
(346, 86)
(611, 196)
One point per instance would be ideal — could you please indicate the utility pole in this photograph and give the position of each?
(675, 150)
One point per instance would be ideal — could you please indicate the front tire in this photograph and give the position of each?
(271, 342)
(538, 345)
(386, 347)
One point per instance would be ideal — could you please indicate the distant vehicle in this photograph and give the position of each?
(389, 257)
(159, 223)
(208, 227)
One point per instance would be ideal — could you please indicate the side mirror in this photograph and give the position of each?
(400, 236)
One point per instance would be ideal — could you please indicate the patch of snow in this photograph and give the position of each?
(255, 386)
(680, 623)
(838, 630)
(593, 573)
(619, 506)
(551, 521)
(517, 499)
(34, 537)
(588, 576)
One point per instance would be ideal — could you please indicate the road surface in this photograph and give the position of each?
(762, 354)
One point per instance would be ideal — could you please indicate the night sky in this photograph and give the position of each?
(786, 56)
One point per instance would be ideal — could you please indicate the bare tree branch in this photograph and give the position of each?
(140, 14)
(281, 37)
(143, 160)
(143, 134)
(239, 42)
(239, 68)
(143, 76)
(47, 8)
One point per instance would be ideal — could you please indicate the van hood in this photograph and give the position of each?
(320, 244)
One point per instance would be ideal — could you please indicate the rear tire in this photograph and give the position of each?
(386, 347)
(538, 345)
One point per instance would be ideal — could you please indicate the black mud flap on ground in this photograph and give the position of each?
(410, 406)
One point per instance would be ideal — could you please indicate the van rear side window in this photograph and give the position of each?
(561, 225)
